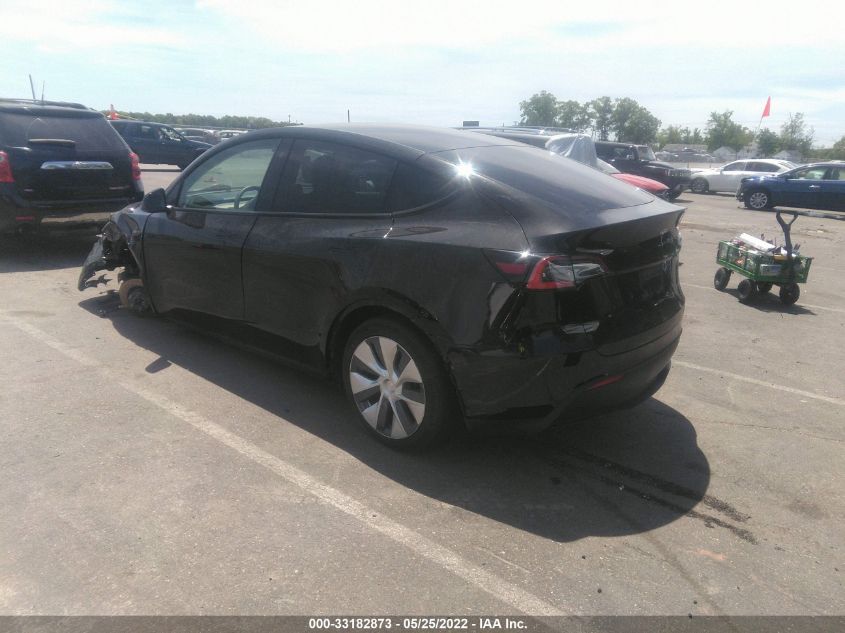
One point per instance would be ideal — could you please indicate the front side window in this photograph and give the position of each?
(230, 180)
(321, 177)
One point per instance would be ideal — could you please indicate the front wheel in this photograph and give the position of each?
(672, 194)
(397, 385)
(699, 185)
(721, 279)
(758, 200)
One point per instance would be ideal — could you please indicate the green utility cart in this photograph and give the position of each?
(763, 270)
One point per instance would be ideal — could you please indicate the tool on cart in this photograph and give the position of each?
(763, 265)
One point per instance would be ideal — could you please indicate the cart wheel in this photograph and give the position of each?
(723, 276)
(789, 294)
(746, 290)
(764, 286)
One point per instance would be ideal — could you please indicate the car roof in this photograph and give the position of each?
(7, 103)
(403, 141)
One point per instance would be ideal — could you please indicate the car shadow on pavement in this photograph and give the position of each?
(622, 473)
(49, 251)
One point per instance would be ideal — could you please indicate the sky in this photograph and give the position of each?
(437, 62)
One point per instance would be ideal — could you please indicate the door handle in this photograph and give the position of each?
(207, 247)
(815, 186)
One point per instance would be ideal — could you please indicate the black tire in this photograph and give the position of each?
(746, 290)
(763, 287)
(789, 294)
(404, 413)
(721, 279)
(672, 194)
(758, 199)
(699, 185)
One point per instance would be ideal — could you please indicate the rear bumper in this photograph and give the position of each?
(532, 393)
(16, 212)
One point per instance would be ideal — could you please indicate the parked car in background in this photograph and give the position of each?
(814, 186)
(156, 143)
(687, 155)
(61, 163)
(641, 161)
(440, 275)
(196, 134)
(226, 134)
(728, 177)
(666, 156)
(654, 187)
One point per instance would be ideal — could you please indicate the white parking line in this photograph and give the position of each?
(497, 587)
(800, 305)
(719, 372)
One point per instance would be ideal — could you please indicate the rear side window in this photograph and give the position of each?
(738, 166)
(763, 167)
(321, 177)
(86, 132)
(414, 187)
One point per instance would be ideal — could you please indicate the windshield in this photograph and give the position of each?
(646, 153)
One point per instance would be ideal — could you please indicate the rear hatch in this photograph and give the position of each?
(64, 155)
(626, 239)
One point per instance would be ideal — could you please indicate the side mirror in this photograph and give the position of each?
(155, 201)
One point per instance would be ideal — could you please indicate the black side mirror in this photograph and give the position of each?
(155, 201)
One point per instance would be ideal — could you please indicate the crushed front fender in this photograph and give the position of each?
(94, 262)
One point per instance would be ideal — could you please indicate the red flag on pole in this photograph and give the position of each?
(112, 113)
(768, 108)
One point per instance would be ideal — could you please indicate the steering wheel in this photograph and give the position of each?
(241, 195)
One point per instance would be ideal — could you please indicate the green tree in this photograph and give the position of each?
(722, 130)
(795, 136)
(670, 134)
(601, 115)
(632, 123)
(573, 115)
(540, 109)
(768, 143)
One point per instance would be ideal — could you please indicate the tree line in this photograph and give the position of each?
(624, 119)
(204, 120)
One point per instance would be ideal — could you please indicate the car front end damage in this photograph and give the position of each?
(119, 246)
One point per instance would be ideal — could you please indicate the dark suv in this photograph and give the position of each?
(640, 160)
(156, 143)
(441, 275)
(61, 162)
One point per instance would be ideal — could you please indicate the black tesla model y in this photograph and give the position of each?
(445, 277)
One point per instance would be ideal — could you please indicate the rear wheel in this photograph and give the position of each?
(699, 185)
(723, 276)
(758, 199)
(789, 294)
(397, 385)
(746, 290)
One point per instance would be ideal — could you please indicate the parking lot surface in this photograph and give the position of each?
(149, 469)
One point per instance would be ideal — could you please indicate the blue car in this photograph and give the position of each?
(815, 186)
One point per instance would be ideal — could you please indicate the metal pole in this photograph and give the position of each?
(32, 87)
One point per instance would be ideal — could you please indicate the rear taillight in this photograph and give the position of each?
(5, 168)
(559, 271)
(136, 166)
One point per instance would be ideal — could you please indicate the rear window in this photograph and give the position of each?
(559, 181)
(88, 132)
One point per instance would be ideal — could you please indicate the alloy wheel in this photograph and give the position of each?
(387, 387)
(758, 200)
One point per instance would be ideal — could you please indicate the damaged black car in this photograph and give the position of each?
(444, 278)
